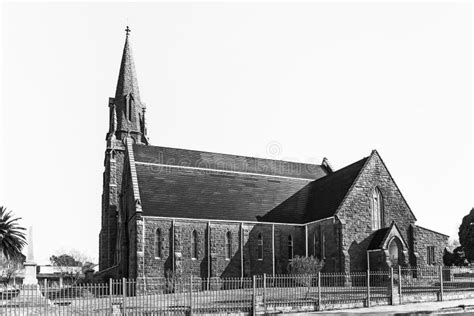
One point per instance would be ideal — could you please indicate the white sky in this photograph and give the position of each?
(321, 80)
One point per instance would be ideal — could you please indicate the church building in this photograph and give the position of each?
(221, 215)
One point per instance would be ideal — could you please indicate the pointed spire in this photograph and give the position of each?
(127, 81)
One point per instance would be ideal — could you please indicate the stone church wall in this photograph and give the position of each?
(355, 213)
(112, 183)
(330, 251)
(422, 239)
(219, 266)
(154, 266)
(282, 232)
(184, 263)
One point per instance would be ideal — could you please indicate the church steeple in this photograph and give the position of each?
(127, 115)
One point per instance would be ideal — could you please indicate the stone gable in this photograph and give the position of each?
(355, 211)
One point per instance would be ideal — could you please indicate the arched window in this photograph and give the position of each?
(158, 243)
(228, 245)
(394, 250)
(377, 209)
(290, 247)
(260, 246)
(194, 249)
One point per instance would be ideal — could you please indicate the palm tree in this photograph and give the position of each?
(12, 237)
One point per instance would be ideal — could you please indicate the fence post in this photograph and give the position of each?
(265, 293)
(110, 295)
(391, 286)
(254, 299)
(191, 295)
(368, 288)
(124, 295)
(400, 278)
(319, 290)
(45, 296)
(441, 283)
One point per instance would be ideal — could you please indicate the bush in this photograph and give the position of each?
(304, 269)
(305, 265)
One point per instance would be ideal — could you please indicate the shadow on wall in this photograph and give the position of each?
(169, 259)
(204, 266)
(358, 254)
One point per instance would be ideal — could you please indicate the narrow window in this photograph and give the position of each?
(377, 209)
(194, 252)
(125, 99)
(323, 244)
(158, 243)
(290, 248)
(228, 245)
(314, 244)
(260, 247)
(430, 255)
(128, 106)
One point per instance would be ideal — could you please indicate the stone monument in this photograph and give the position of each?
(30, 294)
(30, 265)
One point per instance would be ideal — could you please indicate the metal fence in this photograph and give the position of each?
(257, 294)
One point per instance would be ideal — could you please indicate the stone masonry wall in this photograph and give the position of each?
(332, 253)
(183, 263)
(422, 239)
(282, 232)
(355, 212)
(252, 263)
(112, 182)
(220, 265)
(157, 266)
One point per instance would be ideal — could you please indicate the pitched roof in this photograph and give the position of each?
(194, 184)
(328, 192)
(318, 199)
(382, 237)
(378, 238)
(166, 156)
(433, 231)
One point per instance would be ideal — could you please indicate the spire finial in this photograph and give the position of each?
(127, 30)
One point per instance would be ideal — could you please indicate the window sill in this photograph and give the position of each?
(259, 259)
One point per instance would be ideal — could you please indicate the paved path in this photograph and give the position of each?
(439, 308)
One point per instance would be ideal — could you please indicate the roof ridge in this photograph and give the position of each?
(337, 172)
(230, 155)
(433, 231)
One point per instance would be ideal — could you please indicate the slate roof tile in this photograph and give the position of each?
(256, 190)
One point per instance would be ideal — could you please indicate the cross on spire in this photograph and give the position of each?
(127, 30)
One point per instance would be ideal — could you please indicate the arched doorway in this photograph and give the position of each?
(395, 251)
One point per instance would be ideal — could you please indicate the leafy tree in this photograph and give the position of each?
(456, 257)
(12, 236)
(64, 260)
(9, 267)
(72, 265)
(466, 235)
